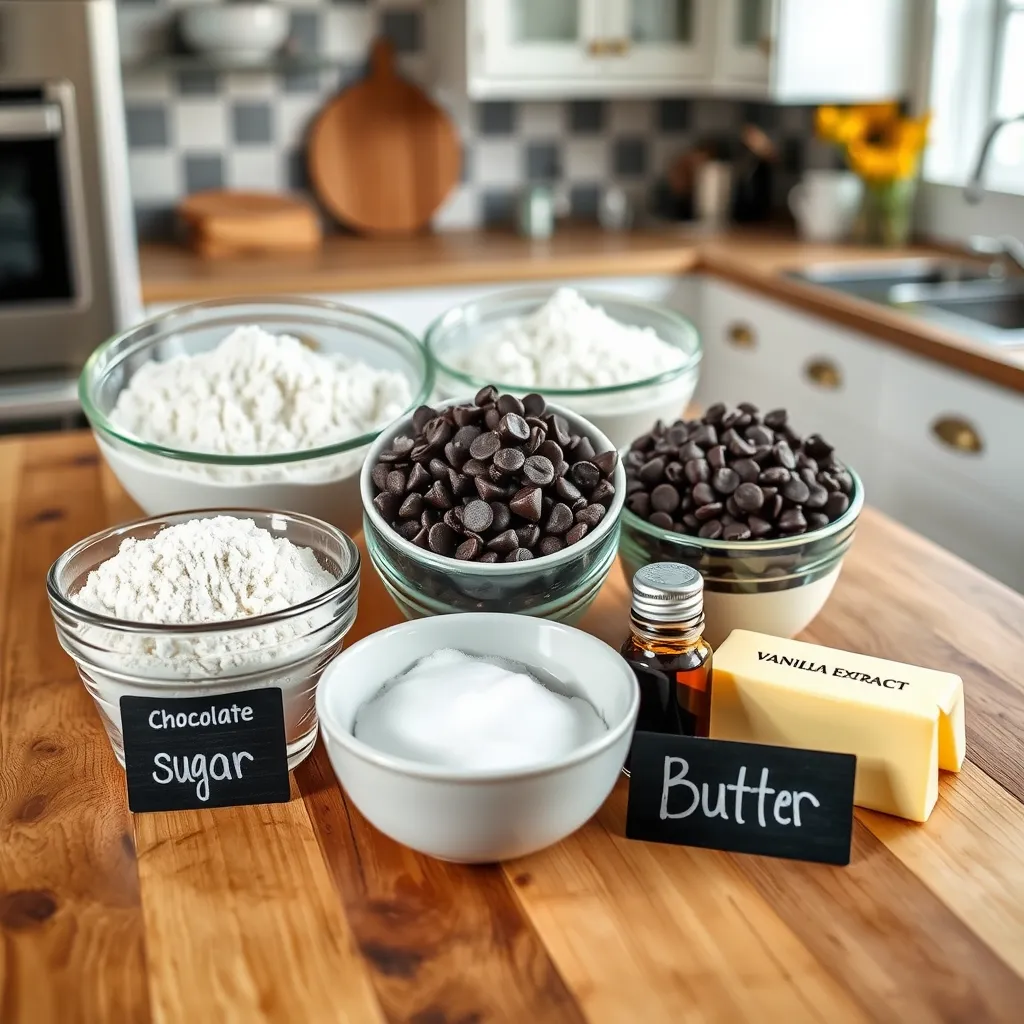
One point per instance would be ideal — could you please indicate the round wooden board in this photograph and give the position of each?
(382, 155)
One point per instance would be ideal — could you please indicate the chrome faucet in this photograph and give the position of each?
(1003, 245)
(974, 189)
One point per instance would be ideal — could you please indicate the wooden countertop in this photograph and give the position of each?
(752, 259)
(303, 912)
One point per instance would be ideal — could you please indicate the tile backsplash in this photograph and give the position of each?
(193, 130)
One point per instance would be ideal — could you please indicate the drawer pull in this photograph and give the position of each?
(597, 47)
(617, 47)
(823, 373)
(957, 433)
(741, 336)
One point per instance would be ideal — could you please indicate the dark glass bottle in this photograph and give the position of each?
(667, 651)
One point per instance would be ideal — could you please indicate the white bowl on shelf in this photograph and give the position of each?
(479, 816)
(236, 33)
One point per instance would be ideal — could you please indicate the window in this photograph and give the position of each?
(977, 75)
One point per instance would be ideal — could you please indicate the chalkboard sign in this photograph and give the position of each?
(220, 751)
(744, 797)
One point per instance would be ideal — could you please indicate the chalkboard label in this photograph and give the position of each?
(744, 797)
(219, 751)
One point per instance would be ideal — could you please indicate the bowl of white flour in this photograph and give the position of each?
(207, 603)
(251, 404)
(617, 361)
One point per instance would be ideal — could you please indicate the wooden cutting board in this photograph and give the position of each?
(222, 222)
(382, 155)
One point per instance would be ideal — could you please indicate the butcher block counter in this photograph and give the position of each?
(301, 912)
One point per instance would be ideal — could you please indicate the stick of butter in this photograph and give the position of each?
(903, 723)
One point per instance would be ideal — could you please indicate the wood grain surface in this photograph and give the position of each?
(303, 912)
(382, 155)
(753, 259)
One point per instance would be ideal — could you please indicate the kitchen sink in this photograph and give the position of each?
(957, 294)
(875, 279)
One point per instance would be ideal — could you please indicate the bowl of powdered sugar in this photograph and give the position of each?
(206, 603)
(478, 737)
(251, 404)
(620, 362)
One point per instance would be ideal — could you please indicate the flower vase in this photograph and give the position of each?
(886, 212)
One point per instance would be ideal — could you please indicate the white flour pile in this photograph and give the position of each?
(256, 394)
(567, 343)
(459, 711)
(204, 570)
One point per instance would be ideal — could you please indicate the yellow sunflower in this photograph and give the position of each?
(891, 153)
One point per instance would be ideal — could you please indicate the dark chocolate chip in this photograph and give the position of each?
(510, 404)
(538, 470)
(550, 545)
(603, 492)
(774, 476)
(527, 503)
(528, 535)
(665, 498)
(478, 516)
(591, 515)
(559, 429)
(534, 404)
(717, 456)
(796, 490)
(469, 549)
(725, 480)
(509, 460)
(504, 542)
(502, 516)
(379, 475)
(652, 471)
(711, 510)
(702, 494)
(606, 462)
(585, 475)
(748, 497)
(697, 470)
(443, 540)
(560, 519)
(736, 531)
(711, 530)
(836, 505)
(387, 505)
(576, 534)
(513, 428)
(484, 446)
(412, 507)
(519, 555)
(792, 521)
(488, 557)
(486, 395)
(661, 519)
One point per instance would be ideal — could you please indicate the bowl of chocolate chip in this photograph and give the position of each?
(493, 503)
(765, 514)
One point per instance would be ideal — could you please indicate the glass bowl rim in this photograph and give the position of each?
(346, 584)
(633, 522)
(441, 323)
(427, 558)
(101, 423)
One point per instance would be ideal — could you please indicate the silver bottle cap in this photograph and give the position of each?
(668, 592)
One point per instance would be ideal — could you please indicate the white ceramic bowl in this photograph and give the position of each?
(622, 411)
(479, 817)
(237, 33)
(320, 482)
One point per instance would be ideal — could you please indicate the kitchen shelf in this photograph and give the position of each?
(280, 64)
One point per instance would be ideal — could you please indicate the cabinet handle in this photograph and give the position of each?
(617, 47)
(598, 47)
(823, 373)
(741, 335)
(959, 434)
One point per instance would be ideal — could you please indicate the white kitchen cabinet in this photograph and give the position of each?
(937, 449)
(794, 51)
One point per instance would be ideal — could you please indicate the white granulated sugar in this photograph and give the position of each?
(219, 569)
(256, 394)
(455, 710)
(204, 570)
(568, 343)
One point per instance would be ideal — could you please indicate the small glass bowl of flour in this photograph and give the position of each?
(251, 404)
(205, 603)
(618, 361)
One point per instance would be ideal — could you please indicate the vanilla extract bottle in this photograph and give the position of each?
(667, 651)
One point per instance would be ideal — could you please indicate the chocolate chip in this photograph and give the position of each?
(386, 504)
(488, 490)
(784, 455)
(528, 535)
(836, 505)
(576, 534)
(796, 490)
(725, 480)
(409, 529)
(419, 478)
(559, 429)
(817, 498)
(534, 404)
(736, 531)
(711, 510)
(816, 520)
(484, 446)
(453, 519)
(442, 540)
(509, 460)
(706, 436)
(421, 538)
(711, 530)
(478, 516)
(527, 503)
(486, 395)
(585, 475)
(513, 428)
(661, 519)
(584, 451)
(560, 519)
(464, 415)
(774, 476)
(470, 548)
(792, 521)
(652, 471)
(538, 470)
(603, 492)
(759, 527)
(502, 516)
(421, 417)
(606, 462)
(697, 470)
(640, 504)
(379, 475)
(748, 497)
(536, 440)
(504, 543)
(411, 507)
(758, 435)
(519, 555)
(475, 468)
(717, 456)
(702, 494)
(492, 418)
(665, 498)
(550, 545)
(591, 515)
(488, 557)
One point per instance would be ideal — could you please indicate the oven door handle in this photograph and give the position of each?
(40, 121)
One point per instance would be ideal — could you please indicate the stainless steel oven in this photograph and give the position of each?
(68, 264)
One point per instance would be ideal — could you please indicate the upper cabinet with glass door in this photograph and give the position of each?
(798, 51)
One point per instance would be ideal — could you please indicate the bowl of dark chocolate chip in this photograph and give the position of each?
(763, 512)
(493, 503)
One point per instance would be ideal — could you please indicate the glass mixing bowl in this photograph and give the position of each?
(321, 482)
(288, 648)
(621, 411)
(774, 586)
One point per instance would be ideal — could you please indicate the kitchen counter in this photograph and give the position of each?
(752, 259)
(303, 912)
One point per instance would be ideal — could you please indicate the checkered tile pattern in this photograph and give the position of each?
(195, 130)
